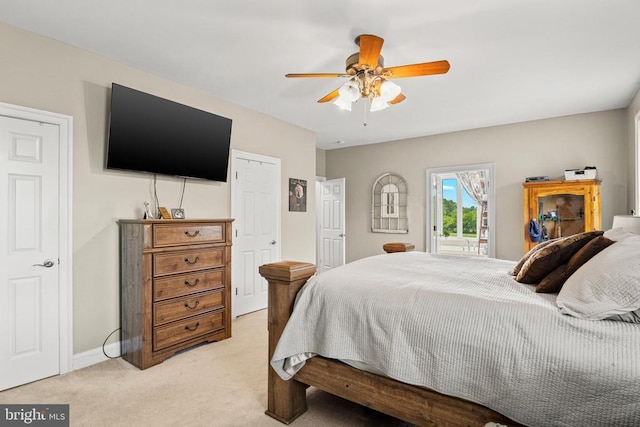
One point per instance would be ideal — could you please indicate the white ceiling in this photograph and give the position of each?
(511, 60)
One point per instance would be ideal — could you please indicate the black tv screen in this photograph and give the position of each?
(152, 134)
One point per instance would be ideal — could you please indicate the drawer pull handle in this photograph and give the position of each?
(189, 328)
(192, 234)
(194, 306)
(188, 283)
(192, 262)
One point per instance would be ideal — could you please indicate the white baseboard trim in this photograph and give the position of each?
(91, 357)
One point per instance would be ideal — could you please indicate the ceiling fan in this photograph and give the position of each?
(368, 78)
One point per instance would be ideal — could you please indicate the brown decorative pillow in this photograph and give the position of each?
(544, 261)
(526, 256)
(553, 281)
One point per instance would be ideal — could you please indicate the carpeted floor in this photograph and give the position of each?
(218, 384)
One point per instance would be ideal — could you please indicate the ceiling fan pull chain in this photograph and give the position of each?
(365, 114)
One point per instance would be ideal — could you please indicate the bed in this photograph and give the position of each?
(443, 340)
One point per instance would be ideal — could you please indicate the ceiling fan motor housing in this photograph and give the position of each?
(352, 66)
(365, 75)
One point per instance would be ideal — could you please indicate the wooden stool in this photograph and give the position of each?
(398, 247)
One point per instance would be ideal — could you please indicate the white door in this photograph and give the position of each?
(256, 210)
(29, 256)
(331, 227)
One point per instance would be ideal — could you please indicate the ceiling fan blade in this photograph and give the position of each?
(370, 47)
(330, 97)
(414, 70)
(325, 75)
(398, 99)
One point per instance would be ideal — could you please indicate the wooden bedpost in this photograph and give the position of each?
(286, 399)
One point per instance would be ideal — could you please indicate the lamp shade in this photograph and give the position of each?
(343, 103)
(389, 90)
(349, 91)
(378, 103)
(628, 223)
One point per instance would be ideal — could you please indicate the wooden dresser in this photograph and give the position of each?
(175, 286)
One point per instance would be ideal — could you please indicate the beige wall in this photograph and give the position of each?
(43, 74)
(544, 147)
(321, 162)
(633, 180)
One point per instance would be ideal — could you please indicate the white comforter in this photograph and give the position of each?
(464, 327)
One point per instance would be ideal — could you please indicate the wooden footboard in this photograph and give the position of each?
(287, 399)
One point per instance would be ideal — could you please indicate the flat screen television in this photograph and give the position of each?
(151, 134)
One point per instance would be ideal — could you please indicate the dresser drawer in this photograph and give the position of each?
(187, 234)
(179, 308)
(185, 261)
(185, 284)
(183, 330)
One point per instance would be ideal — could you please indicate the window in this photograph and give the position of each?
(460, 202)
(460, 212)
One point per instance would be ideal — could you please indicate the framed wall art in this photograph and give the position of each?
(297, 195)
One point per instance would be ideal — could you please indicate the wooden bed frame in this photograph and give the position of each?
(413, 404)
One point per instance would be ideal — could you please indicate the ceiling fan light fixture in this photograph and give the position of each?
(378, 103)
(350, 91)
(368, 77)
(342, 103)
(389, 90)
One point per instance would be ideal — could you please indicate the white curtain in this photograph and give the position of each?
(475, 182)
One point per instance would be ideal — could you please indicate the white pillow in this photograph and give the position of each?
(618, 233)
(607, 285)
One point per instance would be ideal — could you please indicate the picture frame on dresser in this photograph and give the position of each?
(177, 213)
(164, 213)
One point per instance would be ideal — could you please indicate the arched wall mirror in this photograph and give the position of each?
(389, 205)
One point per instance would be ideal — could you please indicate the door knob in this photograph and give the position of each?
(47, 263)
(273, 242)
(341, 235)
